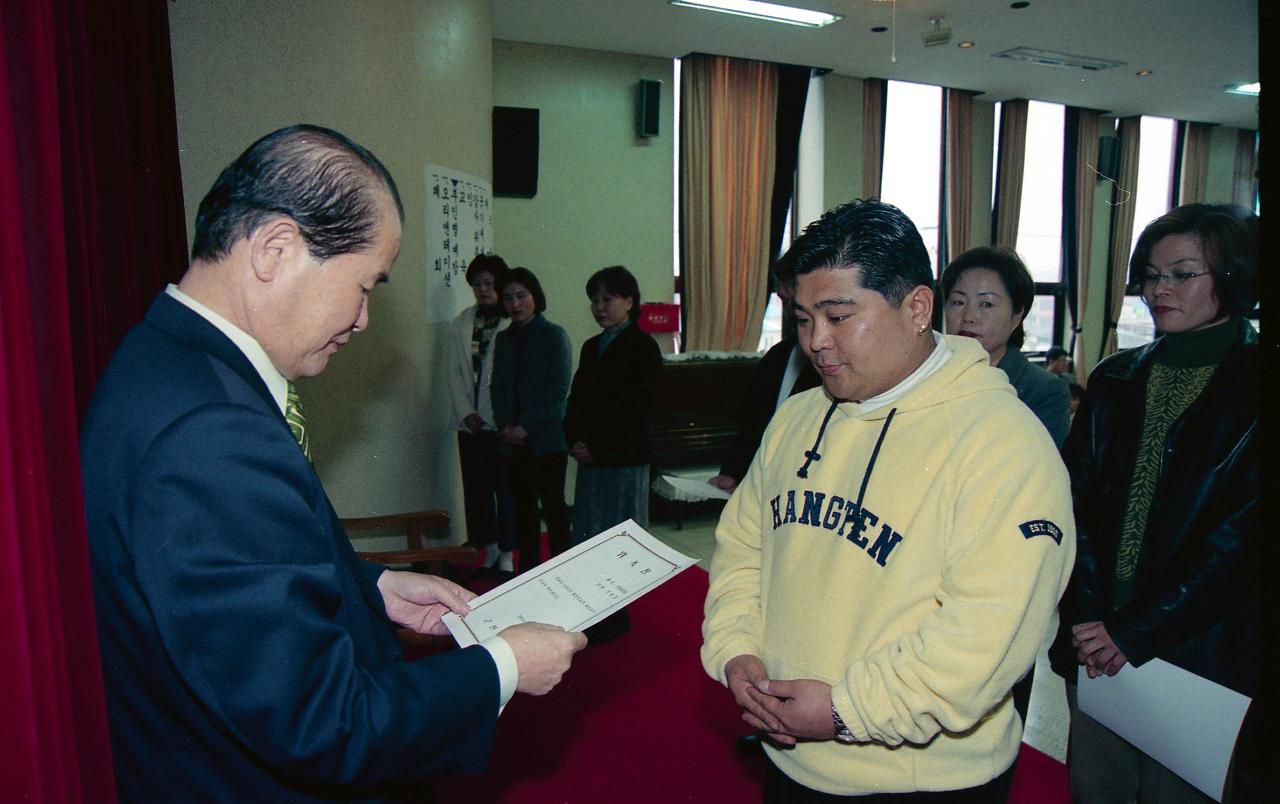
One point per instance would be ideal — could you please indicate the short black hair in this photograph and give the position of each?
(1013, 275)
(492, 264)
(523, 276)
(1228, 234)
(1054, 353)
(875, 237)
(321, 179)
(617, 281)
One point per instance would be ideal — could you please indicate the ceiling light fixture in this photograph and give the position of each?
(1253, 89)
(772, 12)
(1144, 73)
(966, 44)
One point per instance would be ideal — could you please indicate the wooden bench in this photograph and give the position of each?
(435, 559)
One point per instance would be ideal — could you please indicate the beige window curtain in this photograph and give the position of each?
(958, 180)
(1244, 184)
(874, 92)
(1012, 155)
(728, 109)
(1121, 228)
(1195, 162)
(1086, 177)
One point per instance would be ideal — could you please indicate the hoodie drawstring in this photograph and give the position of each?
(811, 455)
(866, 476)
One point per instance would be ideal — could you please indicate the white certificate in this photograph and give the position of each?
(1186, 723)
(697, 488)
(577, 588)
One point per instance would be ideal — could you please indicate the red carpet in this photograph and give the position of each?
(639, 717)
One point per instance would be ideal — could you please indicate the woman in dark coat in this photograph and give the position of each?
(607, 424)
(1163, 456)
(530, 381)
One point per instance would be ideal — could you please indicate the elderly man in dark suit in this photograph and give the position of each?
(249, 654)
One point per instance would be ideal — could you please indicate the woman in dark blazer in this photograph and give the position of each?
(607, 424)
(530, 382)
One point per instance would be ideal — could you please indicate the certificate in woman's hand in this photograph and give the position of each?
(576, 588)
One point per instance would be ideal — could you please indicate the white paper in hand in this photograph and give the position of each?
(577, 588)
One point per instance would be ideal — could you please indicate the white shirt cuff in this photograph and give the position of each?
(508, 671)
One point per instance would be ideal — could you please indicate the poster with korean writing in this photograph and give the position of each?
(459, 226)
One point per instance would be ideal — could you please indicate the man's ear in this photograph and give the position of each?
(920, 304)
(274, 245)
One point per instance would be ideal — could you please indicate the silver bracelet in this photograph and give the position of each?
(843, 734)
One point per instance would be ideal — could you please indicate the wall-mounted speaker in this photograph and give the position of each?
(1108, 156)
(515, 152)
(648, 95)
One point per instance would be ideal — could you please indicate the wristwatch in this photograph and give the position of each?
(843, 734)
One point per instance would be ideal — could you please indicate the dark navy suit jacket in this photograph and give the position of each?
(246, 649)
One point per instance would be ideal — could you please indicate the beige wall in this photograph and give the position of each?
(410, 81)
(604, 194)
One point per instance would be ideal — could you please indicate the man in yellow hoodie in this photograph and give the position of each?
(892, 561)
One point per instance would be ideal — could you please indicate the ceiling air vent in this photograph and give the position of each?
(1052, 59)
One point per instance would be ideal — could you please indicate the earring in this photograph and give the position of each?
(923, 329)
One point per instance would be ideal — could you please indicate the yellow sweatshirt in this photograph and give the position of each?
(923, 604)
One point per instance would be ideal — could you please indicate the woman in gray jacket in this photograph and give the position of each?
(530, 387)
(986, 294)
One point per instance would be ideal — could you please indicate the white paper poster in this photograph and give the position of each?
(459, 226)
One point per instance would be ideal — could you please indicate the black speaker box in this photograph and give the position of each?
(1108, 156)
(515, 152)
(648, 96)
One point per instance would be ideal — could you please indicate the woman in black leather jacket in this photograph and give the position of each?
(1163, 457)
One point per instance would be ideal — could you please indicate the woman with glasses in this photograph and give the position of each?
(530, 385)
(1163, 457)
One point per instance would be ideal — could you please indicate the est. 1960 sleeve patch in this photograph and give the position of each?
(1041, 527)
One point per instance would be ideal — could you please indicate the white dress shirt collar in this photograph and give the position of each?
(276, 382)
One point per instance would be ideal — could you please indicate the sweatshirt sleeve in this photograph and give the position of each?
(1008, 555)
(733, 623)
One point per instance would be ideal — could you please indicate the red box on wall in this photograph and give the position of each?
(659, 317)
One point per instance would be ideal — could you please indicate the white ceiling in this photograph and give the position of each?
(1193, 47)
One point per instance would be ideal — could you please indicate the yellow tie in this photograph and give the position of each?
(297, 421)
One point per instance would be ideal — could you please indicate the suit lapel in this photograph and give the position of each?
(185, 324)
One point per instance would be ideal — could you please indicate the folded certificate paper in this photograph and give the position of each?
(577, 588)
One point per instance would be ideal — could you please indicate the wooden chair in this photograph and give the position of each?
(436, 560)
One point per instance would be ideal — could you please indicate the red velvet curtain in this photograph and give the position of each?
(91, 224)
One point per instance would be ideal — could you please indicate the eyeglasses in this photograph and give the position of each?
(1174, 278)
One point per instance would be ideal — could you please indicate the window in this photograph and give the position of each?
(1040, 215)
(806, 201)
(1040, 221)
(912, 175)
(1151, 199)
